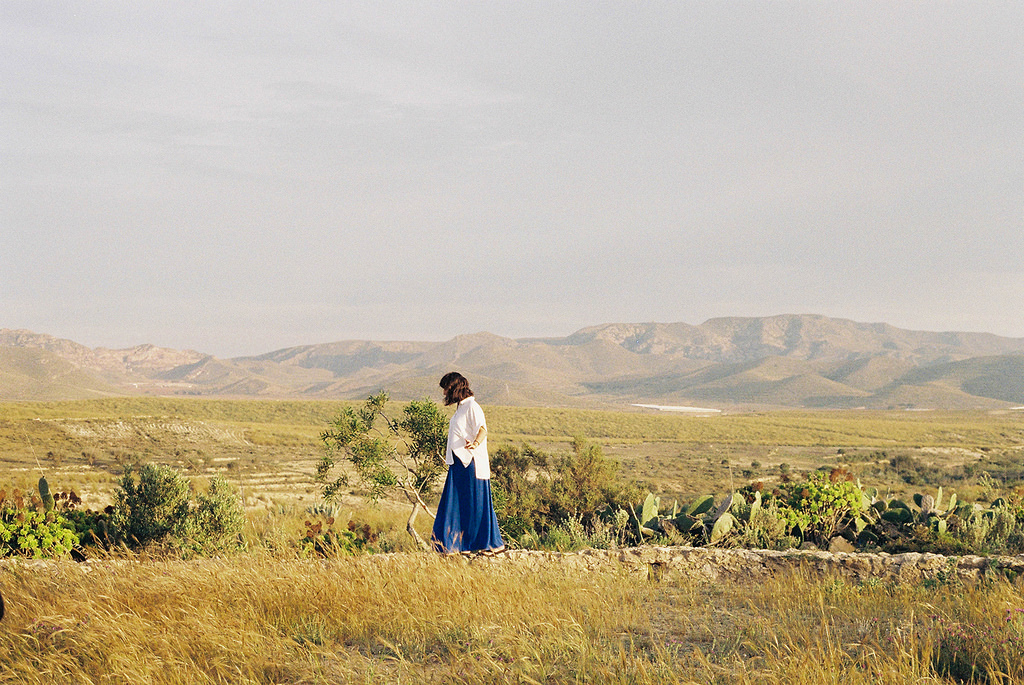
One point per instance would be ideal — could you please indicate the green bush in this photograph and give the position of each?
(999, 530)
(218, 517)
(521, 484)
(27, 529)
(587, 484)
(820, 506)
(152, 508)
(537, 492)
(158, 508)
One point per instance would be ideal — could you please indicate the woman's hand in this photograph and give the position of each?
(474, 443)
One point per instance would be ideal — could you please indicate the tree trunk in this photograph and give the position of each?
(416, 506)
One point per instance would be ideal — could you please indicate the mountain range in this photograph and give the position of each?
(806, 361)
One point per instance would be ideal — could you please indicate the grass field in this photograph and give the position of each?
(423, 619)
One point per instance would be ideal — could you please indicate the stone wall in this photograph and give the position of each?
(713, 563)
(710, 563)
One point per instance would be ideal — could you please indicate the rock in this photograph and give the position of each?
(840, 544)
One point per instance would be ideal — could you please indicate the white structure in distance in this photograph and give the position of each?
(681, 410)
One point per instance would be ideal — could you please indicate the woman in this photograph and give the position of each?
(465, 517)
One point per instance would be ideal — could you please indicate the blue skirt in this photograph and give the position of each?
(465, 516)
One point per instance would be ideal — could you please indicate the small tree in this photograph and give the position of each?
(405, 454)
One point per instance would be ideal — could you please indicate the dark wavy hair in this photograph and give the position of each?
(456, 387)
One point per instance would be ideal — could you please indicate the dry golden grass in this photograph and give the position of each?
(422, 618)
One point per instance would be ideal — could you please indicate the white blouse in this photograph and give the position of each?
(463, 427)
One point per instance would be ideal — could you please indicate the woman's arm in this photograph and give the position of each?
(480, 434)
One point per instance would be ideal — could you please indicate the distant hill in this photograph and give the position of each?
(37, 374)
(778, 361)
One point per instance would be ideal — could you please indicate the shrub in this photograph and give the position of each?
(521, 484)
(913, 472)
(537, 492)
(820, 507)
(999, 530)
(158, 508)
(152, 508)
(218, 517)
(587, 483)
(767, 528)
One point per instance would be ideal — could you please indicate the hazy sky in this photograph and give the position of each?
(237, 177)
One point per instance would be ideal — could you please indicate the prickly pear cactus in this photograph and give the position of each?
(649, 514)
(755, 506)
(701, 505)
(650, 509)
(724, 507)
(898, 515)
(898, 504)
(685, 523)
(723, 525)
